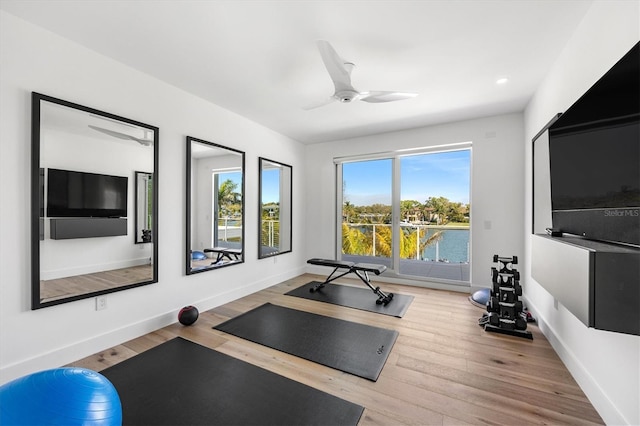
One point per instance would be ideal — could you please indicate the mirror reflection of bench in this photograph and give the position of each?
(222, 253)
(362, 270)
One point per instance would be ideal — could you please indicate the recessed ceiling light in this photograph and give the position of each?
(502, 80)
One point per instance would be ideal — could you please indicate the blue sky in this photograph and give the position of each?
(270, 183)
(445, 174)
(235, 177)
(270, 186)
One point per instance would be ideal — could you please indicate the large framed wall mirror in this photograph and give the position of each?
(214, 206)
(275, 208)
(93, 226)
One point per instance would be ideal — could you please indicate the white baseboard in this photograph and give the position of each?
(598, 398)
(81, 349)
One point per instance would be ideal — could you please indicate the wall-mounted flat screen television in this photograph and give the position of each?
(594, 155)
(595, 183)
(80, 194)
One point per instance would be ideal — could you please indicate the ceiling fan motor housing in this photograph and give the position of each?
(346, 96)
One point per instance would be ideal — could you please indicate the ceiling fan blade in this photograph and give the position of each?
(145, 142)
(338, 68)
(379, 96)
(326, 101)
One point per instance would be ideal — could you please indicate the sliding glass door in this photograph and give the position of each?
(366, 234)
(408, 212)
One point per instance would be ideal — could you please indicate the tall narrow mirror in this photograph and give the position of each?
(275, 208)
(144, 207)
(86, 203)
(215, 206)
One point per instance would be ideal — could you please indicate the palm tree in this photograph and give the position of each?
(413, 242)
(383, 241)
(354, 241)
(228, 197)
(348, 211)
(440, 206)
(360, 243)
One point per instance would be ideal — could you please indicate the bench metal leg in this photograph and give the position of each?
(329, 279)
(383, 298)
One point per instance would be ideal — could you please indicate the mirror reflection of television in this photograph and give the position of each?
(594, 156)
(80, 194)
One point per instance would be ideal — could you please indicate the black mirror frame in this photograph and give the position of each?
(36, 188)
(188, 269)
(290, 211)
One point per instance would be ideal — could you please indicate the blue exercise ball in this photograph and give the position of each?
(62, 396)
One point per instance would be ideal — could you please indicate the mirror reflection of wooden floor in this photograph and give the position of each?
(59, 288)
(443, 369)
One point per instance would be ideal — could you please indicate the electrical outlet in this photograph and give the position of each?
(101, 303)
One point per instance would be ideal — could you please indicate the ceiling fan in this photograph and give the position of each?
(146, 141)
(340, 72)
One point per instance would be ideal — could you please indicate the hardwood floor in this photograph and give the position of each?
(444, 369)
(60, 288)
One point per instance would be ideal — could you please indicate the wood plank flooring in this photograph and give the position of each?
(443, 370)
(61, 288)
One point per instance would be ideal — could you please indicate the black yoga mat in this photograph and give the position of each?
(182, 383)
(347, 346)
(353, 297)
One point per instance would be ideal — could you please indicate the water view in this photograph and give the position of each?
(453, 246)
(428, 194)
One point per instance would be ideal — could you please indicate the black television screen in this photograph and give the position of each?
(597, 168)
(595, 182)
(80, 194)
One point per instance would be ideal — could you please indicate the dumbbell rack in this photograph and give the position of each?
(504, 308)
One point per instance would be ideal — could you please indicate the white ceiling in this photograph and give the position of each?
(259, 58)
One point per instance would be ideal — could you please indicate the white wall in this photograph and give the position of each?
(605, 364)
(36, 60)
(496, 194)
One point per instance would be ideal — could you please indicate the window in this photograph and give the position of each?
(409, 212)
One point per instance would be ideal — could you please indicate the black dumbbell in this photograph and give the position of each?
(494, 319)
(493, 305)
(520, 323)
(507, 295)
(513, 259)
(518, 306)
(494, 274)
(507, 324)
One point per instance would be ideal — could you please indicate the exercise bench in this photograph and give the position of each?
(360, 269)
(223, 252)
